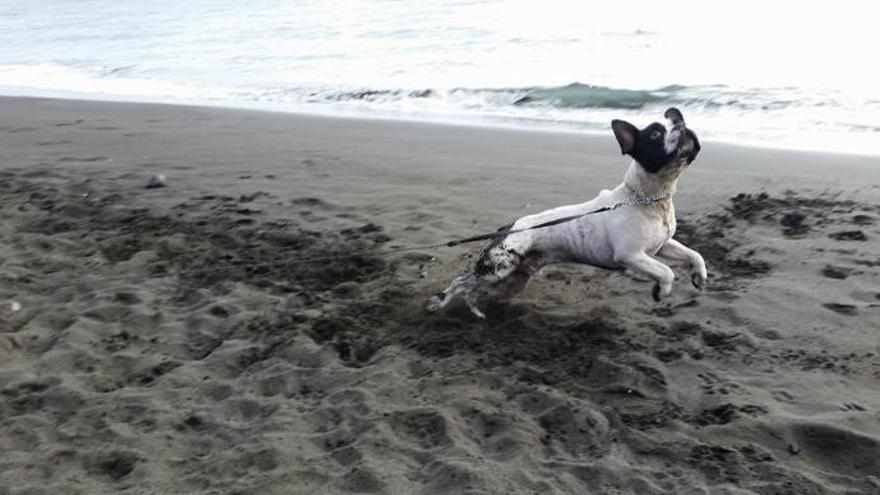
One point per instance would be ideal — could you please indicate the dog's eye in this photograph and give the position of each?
(655, 135)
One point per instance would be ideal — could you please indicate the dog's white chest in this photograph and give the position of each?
(664, 228)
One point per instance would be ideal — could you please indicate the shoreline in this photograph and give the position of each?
(317, 110)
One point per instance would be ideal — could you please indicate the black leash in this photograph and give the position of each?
(643, 200)
(634, 200)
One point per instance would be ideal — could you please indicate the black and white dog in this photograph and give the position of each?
(639, 225)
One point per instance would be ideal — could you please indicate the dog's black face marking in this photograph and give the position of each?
(648, 146)
(650, 149)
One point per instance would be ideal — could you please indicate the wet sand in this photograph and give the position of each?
(241, 330)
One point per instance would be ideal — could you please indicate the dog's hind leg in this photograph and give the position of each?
(469, 285)
(493, 267)
(470, 298)
(514, 283)
(465, 283)
(510, 286)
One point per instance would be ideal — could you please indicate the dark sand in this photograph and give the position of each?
(174, 340)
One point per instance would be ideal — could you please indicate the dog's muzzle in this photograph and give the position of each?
(674, 116)
(677, 137)
(674, 139)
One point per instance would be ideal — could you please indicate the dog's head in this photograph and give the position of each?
(655, 147)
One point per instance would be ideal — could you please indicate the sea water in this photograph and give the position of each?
(781, 74)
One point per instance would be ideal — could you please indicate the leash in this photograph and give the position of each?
(634, 200)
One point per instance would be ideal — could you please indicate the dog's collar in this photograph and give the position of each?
(637, 198)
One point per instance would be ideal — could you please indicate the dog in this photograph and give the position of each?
(637, 222)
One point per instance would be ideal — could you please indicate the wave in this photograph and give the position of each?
(575, 96)
(802, 117)
(579, 96)
(99, 80)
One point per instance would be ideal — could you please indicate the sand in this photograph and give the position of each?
(241, 330)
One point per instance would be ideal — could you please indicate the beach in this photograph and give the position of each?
(242, 331)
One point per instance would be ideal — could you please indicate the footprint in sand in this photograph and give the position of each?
(863, 220)
(844, 309)
(88, 159)
(848, 235)
(66, 124)
(838, 449)
(837, 272)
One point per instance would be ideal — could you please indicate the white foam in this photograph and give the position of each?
(787, 117)
(99, 80)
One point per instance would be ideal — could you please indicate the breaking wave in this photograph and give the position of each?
(779, 116)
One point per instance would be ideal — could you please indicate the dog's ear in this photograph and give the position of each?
(626, 135)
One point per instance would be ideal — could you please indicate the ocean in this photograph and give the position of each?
(775, 74)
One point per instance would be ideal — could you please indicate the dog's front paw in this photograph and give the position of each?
(661, 291)
(699, 280)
